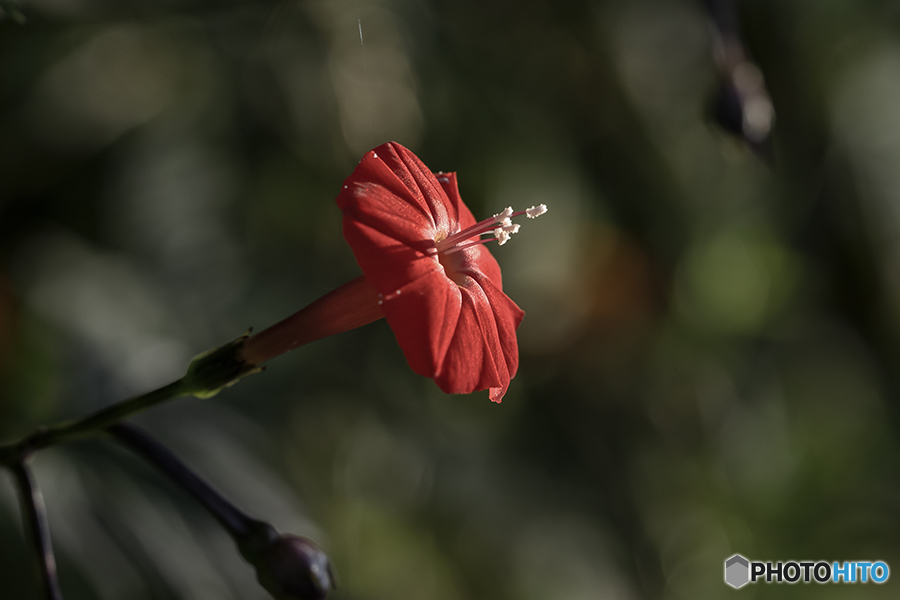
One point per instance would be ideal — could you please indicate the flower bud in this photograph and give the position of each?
(294, 568)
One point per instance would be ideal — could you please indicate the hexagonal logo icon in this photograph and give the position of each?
(737, 571)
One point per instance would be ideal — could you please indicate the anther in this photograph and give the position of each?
(535, 211)
(505, 214)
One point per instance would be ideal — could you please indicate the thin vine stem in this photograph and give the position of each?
(236, 522)
(34, 514)
(287, 566)
(207, 374)
(90, 425)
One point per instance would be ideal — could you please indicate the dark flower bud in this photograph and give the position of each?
(294, 568)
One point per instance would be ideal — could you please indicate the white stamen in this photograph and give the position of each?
(505, 214)
(505, 231)
(500, 225)
(535, 211)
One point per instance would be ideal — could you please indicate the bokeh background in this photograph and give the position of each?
(711, 347)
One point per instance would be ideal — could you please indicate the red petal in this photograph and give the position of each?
(387, 263)
(463, 337)
(464, 215)
(423, 318)
(484, 352)
(391, 182)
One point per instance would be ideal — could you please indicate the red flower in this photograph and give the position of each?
(425, 269)
(419, 246)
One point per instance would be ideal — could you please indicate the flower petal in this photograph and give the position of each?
(390, 201)
(391, 183)
(463, 215)
(483, 353)
(388, 264)
(507, 317)
(423, 318)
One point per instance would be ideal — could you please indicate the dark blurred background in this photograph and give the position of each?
(710, 353)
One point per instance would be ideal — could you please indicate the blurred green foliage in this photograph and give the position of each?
(709, 356)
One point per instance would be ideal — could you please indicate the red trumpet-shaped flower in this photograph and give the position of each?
(421, 249)
(425, 269)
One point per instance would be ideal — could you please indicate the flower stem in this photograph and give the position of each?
(238, 525)
(287, 566)
(207, 374)
(35, 516)
(90, 425)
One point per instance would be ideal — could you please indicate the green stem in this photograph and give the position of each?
(207, 374)
(90, 425)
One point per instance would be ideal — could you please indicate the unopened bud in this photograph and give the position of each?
(294, 568)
